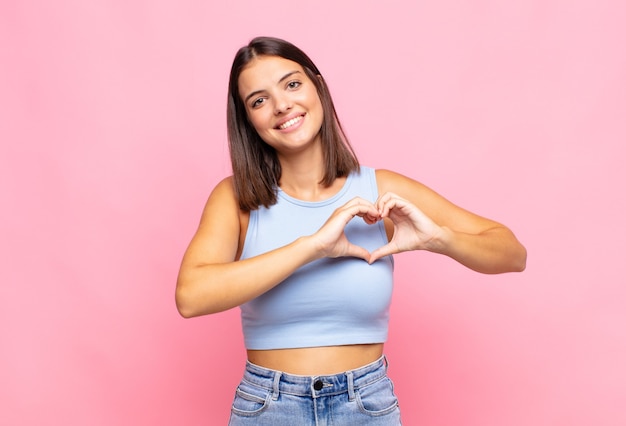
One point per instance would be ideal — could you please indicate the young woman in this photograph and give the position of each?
(300, 237)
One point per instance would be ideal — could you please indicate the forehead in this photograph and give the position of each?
(264, 72)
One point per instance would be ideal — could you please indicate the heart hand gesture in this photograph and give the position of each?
(331, 239)
(413, 230)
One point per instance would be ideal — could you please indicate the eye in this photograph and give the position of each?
(257, 102)
(294, 84)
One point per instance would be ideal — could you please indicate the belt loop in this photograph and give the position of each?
(276, 385)
(386, 362)
(350, 377)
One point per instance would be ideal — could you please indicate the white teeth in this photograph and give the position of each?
(290, 123)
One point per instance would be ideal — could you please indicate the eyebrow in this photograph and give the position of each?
(283, 78)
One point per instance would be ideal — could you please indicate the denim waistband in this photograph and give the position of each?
(315, 386)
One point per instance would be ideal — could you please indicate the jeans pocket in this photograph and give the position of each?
(378, 398)
(250, 400)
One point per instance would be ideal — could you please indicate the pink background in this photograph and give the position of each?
(112, 123)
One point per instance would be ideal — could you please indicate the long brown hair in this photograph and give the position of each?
(256, 169)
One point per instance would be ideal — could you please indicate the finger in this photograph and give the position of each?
(387, 196)
(385, 199)
(370, 220)
(367, 211)
(383, 251)
(358, 251)
(358, 200)
(389, 204)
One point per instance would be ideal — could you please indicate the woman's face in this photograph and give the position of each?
(282, 103)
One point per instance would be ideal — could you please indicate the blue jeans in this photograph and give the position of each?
(358, 397)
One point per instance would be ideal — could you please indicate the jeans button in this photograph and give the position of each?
(318, 385)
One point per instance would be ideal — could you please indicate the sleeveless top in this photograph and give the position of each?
(326, 302)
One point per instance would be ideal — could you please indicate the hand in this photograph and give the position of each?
(412, 229)
(332, 240)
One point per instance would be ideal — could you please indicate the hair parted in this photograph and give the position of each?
(256, 169)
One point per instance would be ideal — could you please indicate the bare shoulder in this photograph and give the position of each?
(406, 187)
(423, 197)
(217, 237)
(221, 206)
(436, 206)
(224, 191)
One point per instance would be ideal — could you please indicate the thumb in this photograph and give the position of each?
(383, 251)
(358, 251)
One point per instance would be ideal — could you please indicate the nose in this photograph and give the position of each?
(282, 104)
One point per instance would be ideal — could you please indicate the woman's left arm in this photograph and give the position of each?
(424, 220)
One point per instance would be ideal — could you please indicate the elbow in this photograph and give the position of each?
(185, 313)
(521, 259)
(516, 256)
(190, 303)
(184, 303)
(517, 260)
(184, 309)
(513, 261)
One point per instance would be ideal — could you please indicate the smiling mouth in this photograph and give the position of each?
(290, 123)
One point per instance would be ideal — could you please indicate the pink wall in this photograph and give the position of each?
(112, 130)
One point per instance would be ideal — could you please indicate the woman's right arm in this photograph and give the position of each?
(212, 280)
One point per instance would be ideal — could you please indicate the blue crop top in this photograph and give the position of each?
(328, 301)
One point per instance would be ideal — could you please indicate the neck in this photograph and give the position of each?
(302, 175)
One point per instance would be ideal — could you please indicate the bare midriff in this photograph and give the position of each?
(317, 361)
